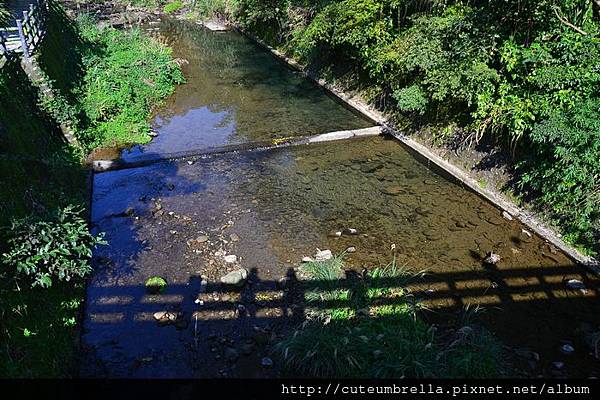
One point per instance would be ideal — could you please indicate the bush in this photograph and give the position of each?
(564, 170)
(126, 75)
(411, 98)
(55, 248)
(172, 7)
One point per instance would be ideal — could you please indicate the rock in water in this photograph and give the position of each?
(492, 258)
(575, 284)
(266, 362)
(567, 349)
(323, 255)
(235, 278)
(230, 259)
(231, 354)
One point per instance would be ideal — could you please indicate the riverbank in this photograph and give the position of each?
(104, 83)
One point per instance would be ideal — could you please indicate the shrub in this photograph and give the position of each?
(412, 99)
(58, 247)
(173, 6)
(126, 75)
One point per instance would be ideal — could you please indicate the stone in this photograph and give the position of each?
(558, 365)
(323, 255)
(165, 317)
(283, 282)
(350, 231)
(392, 190)
(230, 259)
(231, 354)
(492, 258)
(266, 362)
(567, 349)
(153, 134)
(247, 349)
(507, 216)
(351, 249)
(203, 286)
(307, 259)
(235, 278)
(575, 284)
(191, 162)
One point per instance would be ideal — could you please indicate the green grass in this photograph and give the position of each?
(173, 6)
(370, 328)
(38, 337)
(130, 75)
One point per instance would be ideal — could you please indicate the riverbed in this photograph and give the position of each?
(269, 208)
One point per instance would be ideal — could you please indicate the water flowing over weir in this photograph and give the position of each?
(270, 207)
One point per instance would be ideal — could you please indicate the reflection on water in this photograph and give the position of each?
(237, 93)
(283, 204)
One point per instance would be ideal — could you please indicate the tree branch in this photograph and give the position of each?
(567, 23)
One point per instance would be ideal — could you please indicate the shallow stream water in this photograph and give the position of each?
(269, 208)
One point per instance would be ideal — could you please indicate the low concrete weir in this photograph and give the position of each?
(109, 165)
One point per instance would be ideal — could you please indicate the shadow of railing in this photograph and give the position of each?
(123, 316)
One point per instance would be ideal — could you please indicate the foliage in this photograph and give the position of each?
(55, 248)
(371, 329)
(215, 8)
(123, 81)
(4, 13)
(38, 329)
(564, 169)
(173, 6)
(156, 284)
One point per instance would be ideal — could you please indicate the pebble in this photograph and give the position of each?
(351, 249)
(507, 216)
(323, 255)
(558, 365)
(236, 278)
(307, 259)
(230, 259)
(567, 349)
(350, 231)
(231, 354)
(492, 258)
(575, 284)
(266, 362)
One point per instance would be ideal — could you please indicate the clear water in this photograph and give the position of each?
(285, 203)
(236, 93)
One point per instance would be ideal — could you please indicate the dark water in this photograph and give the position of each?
(282, 205)
(237, 93)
